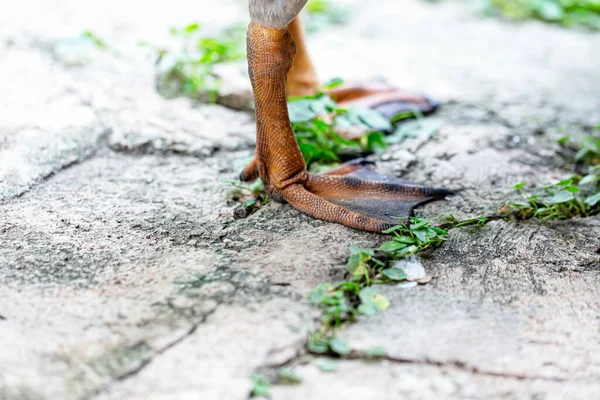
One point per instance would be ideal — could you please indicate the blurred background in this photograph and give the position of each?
(448, 49)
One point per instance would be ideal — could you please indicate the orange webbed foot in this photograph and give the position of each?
(389, 101)
(357, 196)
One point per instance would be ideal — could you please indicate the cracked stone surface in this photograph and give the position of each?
(126, 273)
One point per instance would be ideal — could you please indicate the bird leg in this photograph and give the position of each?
(387, 100)
(354, 196)
(302, 79)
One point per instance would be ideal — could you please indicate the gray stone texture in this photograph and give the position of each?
(125, 273)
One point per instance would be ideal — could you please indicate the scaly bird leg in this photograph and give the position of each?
(361, 199)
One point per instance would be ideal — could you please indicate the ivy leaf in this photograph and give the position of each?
(322, 105)
(340, 346)
(332, 83)
(405, 239)
(371, 301)
(318, 346)
(373, 141)
(591, 178)
(356, 265)
(550, 11)
(249, 203)
(407, 251)
(376, 352)
(392, 245)
(361, 250)
(392, 229)
(560, 197)
(300, 110)
(309, 151)
(572, 189)
(326, 365)
(425, 235)
(593, 199)
(395, 274)
(373, 119)
(261, 387)
(287, 375)
(418, 223)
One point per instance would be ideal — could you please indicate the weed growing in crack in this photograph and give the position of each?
(251, 196)
(343, 302)
(453, 222)
(318, 122)
(260, 386)
(587, 151)
(576, 195)
(189, 69)
(571, 197)
(287, 375)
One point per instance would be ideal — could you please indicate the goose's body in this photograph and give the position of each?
(353, 195)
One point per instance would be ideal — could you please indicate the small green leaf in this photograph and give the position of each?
(326, 365)
(333, 83)
(372, 119)
(519, 185)
(560, 197)
(405, 239)
(591, 178)
(418, 223)
(287, 375)
(362, 250)
(356, 264)
(373, 142)
(425, 234)
(319, 293)
(442, 232)
(395, 274)
(249, 203)
(376, 352)
(378, 262)
(548, 10)
(566, 182)
(322, 105)
(563, 139)
(192, 28)
(392, 229)
(351, 287)
(410, 250)
(392, 246)
(572, 189)
(261, 387)
(402, 116)
(371, 301)
(340, 346)
(300, 111)
(319, 346)
(593, 199)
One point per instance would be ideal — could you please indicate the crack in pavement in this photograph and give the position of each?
(461, 365)
(301, 353)
(156, 352)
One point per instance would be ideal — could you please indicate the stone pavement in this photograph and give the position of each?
(124, 273)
